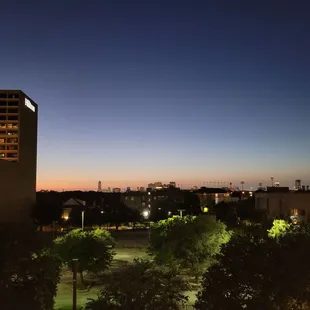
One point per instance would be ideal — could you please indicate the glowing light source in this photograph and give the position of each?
(146, 214)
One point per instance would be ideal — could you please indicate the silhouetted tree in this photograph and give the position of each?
(255, 273)
(47, 210)
(29, 272)
(142, 285)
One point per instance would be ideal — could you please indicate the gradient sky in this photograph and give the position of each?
(132, 92)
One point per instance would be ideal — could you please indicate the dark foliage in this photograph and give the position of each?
(255, 273)
(141, 286)
(29, 272)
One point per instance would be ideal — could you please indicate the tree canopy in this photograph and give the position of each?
(29, 272)
(93, 249)
(142, 285)
(278, 229)
(190, 242)
(255, 273)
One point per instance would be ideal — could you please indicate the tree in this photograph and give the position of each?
(45, 212)
(29, 271)
(255, 273)
(278, 229)
(188, 242)
(142, 285)
(93, 249)
(118, 214)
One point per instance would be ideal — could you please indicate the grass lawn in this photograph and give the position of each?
(127, 248)
(126, 251)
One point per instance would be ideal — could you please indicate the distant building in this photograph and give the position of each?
(116, 190)
(283, 203)
(298, 185)
(18, 155)
(209, 195)
(146, 200)
(99, 187)
(172, 184)
(70, 204)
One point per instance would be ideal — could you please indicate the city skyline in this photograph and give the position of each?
(138, 92)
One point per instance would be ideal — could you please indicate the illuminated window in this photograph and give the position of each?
(294, 211)
(2, 126)
(2, 155)
(132, 198)
(11, 126)
(12, 133)
(2, 140)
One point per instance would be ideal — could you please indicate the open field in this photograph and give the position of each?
(129, 245)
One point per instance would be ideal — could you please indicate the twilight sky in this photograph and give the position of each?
(132, 92)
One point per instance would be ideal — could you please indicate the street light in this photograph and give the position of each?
(181, 212)
(83, 211)
(146, 214)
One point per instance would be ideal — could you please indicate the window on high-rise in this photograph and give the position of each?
(13, 95)
(12, 133)
(13, 117)
(3, 104)
(2, 110)
(3, 95)
(12, 147)
(2, 125)
(2, 155)
(14, 110)
(2, 140)
(13, 103)
(11, 155)
(12, 140)
(2, 117)
(11, 126)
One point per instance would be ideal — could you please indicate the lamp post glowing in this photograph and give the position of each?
(145, 214)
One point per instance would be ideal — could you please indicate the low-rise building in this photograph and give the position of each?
(280, 202)
(209, 195)
(146, 200)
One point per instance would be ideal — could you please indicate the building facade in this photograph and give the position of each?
(283, 203)
(18, 156)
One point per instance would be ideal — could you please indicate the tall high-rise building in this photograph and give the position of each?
(99, 187)
(298, 184)
(18, 155)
